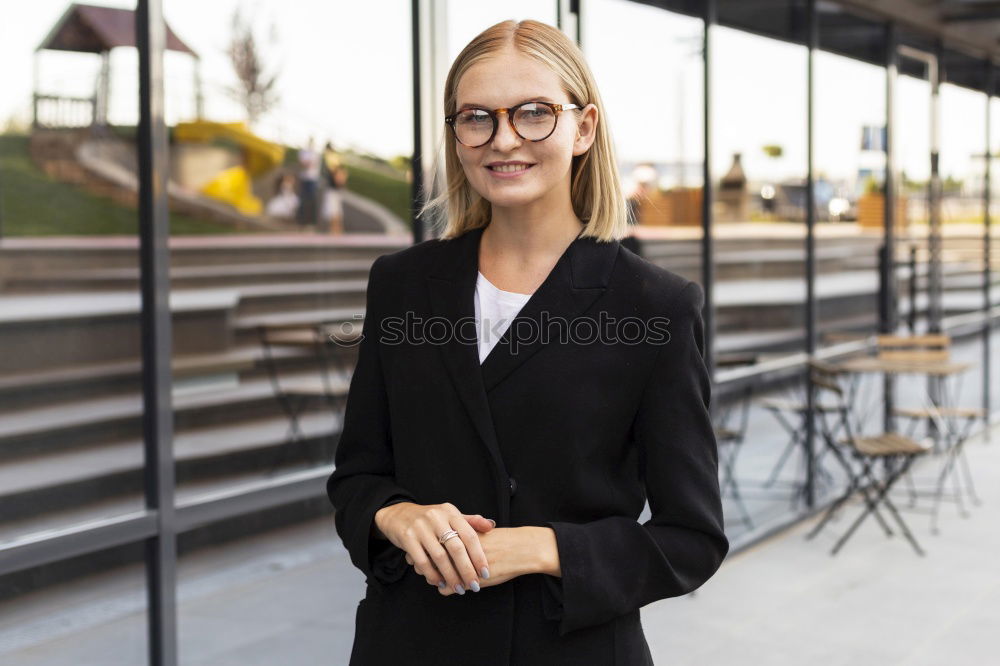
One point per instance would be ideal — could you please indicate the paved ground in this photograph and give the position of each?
(787, 601)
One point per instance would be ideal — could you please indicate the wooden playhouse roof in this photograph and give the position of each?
(93, 29)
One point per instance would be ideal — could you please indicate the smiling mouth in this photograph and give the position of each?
(511, 168)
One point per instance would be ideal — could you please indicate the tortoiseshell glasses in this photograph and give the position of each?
(532, 121)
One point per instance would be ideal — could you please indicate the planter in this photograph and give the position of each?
(871, 211)
(677, 207)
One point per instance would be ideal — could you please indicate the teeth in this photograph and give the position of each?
(510, 168)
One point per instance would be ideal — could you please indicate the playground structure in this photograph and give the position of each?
(234, 185)
(217, 161)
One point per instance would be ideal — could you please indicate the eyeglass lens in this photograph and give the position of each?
(473, 127)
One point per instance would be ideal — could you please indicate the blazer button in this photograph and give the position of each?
(513, 486)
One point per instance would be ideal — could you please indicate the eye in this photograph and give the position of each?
(474, 117)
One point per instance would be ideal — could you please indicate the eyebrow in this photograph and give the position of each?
(536, 98)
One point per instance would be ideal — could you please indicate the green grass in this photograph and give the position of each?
(32, 204)
(392, 193)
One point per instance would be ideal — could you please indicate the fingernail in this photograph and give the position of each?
(475, 586)
(459, 589)
(484, 572)
(441, 585)
(492, 521)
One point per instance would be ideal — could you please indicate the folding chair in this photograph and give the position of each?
(914, 348)
(895, 450)
(955, 423)
(792, 413)
(730, 435)
(295, 395)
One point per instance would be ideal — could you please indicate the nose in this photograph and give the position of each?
(505, 138)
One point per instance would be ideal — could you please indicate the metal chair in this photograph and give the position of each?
(792, 413)
(329, 384)
(896, 451)
(729, 434)
(954, 422)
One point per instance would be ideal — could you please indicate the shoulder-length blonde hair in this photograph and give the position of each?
(595, 188)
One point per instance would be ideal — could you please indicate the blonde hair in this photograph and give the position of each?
(595, 189)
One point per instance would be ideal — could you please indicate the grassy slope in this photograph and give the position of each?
(32, 204)
(393, 194)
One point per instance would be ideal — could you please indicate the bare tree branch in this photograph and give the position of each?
(256, 89)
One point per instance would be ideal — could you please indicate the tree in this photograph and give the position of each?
(256, 90)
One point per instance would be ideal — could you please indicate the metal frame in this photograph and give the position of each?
(707, 218)
(157, 342)
(991, 87)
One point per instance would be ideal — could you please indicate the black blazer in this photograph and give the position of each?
(573, 434)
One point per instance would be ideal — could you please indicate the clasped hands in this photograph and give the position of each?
(482, 555)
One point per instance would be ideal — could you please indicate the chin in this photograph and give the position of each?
(511, 201)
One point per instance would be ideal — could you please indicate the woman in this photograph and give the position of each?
(334, 177)
(490, 491)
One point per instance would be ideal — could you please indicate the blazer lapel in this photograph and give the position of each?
(578, 278)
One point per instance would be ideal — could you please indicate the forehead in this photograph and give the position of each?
(504, 78)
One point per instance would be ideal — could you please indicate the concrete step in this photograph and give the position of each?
(63, 488)
(246, 327)
(89, 421)
(262, 299)
(192, 372)
(39, 256)
(191, 277)
(48, 331)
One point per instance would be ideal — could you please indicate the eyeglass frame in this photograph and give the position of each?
(508, 111)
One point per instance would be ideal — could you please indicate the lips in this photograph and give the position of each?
(510, 168)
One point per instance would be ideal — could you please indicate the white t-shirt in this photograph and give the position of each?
(309, 161)
(495, 308)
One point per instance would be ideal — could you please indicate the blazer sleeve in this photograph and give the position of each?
(363, 480)
(615, 565)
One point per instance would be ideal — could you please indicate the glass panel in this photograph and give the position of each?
(963, 141)
(658, 129)
(850, 179)
(70, 372)
(758, 162)
(262, 377)
(912, 149)
(468, 18)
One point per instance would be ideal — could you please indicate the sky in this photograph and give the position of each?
(345, 75)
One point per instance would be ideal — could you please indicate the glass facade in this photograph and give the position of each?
(190, 340)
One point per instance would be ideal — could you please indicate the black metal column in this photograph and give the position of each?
(707, 246)
(812, 43)
(575, 9)
(887, 272)
(417, 161)
(987, 249)
(154, 262)
(935, 295)
(935, 283)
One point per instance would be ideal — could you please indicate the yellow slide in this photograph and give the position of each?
(233, 185)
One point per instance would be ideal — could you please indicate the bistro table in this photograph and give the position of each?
(939, 410)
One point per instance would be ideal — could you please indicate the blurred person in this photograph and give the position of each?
(285, 202)
(334, 180)
(309, 167)
(495, 517)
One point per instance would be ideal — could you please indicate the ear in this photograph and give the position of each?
(586, 130)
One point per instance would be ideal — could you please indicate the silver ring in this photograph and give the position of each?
(447, 535)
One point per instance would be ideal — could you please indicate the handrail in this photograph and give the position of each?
(798, 360)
